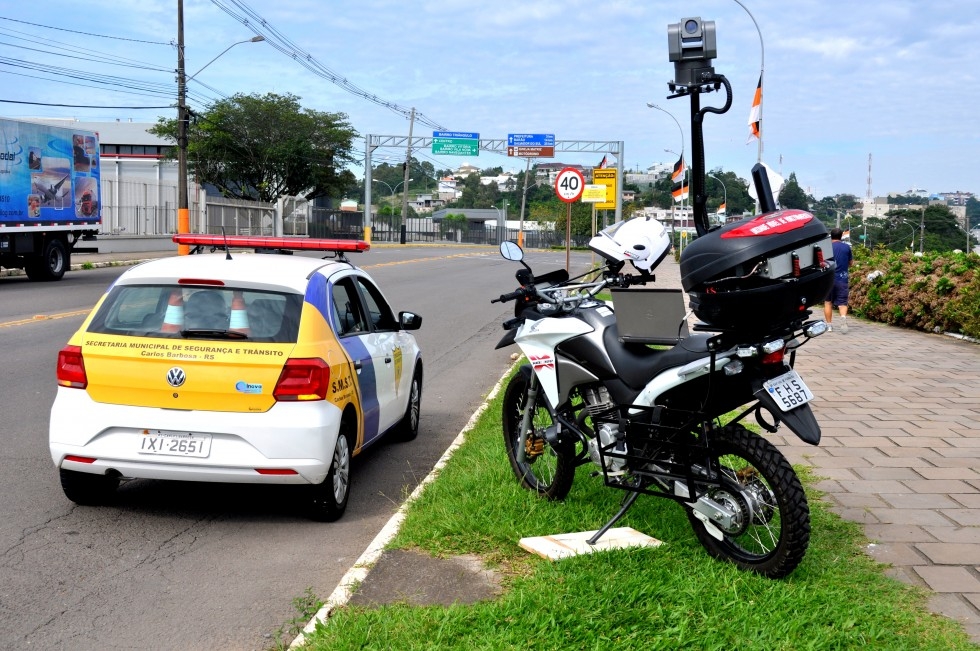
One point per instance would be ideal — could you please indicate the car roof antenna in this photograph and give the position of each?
(227, 251)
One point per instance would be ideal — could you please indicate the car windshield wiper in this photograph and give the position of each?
(215, 333)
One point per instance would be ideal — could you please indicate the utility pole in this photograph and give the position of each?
(183, 214)
(922, 228)
(527, 171)
(408, 161)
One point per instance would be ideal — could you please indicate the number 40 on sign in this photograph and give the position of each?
(569, 185)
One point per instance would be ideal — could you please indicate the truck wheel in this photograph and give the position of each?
(51, 264)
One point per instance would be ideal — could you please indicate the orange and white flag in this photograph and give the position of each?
(679, 169)
(680, 190)
(755, 115)
(722, 208)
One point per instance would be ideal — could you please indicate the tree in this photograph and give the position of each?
(943, 231)
(266, 147)
(973, 212)
(792, 195)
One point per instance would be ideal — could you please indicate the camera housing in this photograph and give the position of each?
(691, 45)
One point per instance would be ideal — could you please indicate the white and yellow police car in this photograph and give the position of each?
(271, 369)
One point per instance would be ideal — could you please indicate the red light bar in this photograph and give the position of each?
(286, 243)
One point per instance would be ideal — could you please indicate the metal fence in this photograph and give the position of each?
(150, 208)
(138, 207)
(234, 217)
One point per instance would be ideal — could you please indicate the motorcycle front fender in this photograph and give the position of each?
(507, 339)
(801, 420)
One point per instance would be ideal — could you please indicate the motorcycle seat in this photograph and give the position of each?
(637, 364)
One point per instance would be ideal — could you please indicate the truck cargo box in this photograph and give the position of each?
(759, 273)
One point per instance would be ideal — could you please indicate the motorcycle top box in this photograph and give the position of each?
(759, 273)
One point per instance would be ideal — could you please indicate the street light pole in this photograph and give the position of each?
(725, 200)
(183, 212)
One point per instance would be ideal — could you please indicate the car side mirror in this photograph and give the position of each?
(409, 321)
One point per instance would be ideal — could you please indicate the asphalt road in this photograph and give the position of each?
(204, 566)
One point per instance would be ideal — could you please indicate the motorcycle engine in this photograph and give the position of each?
(597, 401)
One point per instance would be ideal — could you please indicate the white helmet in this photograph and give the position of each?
(643, 241)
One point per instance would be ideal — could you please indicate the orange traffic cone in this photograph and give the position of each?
(239, 317)
(173, 320)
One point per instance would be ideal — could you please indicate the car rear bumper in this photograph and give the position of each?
(292, 443)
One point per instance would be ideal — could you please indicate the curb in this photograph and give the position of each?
(359, 571)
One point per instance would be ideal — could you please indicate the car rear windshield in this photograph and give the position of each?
(170, 311)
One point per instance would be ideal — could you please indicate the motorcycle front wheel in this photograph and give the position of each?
(547, 469)
(770, 531)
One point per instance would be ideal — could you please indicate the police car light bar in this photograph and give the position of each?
(283, 243)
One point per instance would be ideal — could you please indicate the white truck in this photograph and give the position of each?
(49, 196)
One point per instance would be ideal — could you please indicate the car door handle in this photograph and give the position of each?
(387, 360)
(358, 365)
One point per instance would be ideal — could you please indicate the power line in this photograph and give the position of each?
(73, 31)
(260, 25)
(13, 101)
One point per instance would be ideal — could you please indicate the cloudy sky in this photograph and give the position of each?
(895, 80)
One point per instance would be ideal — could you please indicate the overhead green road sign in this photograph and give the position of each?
(456, 146)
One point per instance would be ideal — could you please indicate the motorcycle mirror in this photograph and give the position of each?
(511, 250)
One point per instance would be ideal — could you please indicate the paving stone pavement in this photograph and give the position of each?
(900, 451)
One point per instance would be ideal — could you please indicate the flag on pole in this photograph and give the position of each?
(678, 169)
(679, 177)
(722, 208)
(679, 190)
(756, 112)
(602, 164)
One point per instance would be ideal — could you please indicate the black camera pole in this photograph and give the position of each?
(710, 82)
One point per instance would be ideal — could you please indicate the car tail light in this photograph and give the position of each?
(71, 368)
(303, 379)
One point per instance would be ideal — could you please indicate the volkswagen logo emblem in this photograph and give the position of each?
(176, 377)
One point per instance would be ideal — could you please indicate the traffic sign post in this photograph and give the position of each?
(569, 186)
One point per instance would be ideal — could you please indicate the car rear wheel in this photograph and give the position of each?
(328, 500)
(86, 488)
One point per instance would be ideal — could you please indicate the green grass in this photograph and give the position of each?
(671, 597)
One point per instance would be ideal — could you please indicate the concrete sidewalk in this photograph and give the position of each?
(900, 413)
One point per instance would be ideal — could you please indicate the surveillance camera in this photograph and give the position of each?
(691, 46)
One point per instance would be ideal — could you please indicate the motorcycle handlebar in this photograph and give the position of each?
(511, 296)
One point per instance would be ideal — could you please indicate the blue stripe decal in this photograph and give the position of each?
(316, 295)
(367, 381)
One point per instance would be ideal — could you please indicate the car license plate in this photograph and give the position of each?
(178, 444)
(788, 390)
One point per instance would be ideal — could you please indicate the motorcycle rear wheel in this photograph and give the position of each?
(548, 469)
(771, 531)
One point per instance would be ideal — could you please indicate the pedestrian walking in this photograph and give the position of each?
(838, 294)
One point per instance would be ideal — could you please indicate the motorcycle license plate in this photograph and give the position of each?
(788, 390)
(178, 444)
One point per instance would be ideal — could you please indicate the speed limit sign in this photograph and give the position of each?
(569, 185)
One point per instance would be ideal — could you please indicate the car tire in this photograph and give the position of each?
(327, 501)
(407, 428)
(86, 488)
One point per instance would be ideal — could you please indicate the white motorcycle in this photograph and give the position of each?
(662, 414)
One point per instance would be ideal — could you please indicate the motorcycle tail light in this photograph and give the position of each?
(773, 358)
(772, 351)
(776, 345)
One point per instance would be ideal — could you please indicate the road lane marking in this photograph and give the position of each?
(44, 317)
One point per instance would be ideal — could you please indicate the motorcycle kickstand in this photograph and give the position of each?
(627, 503)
